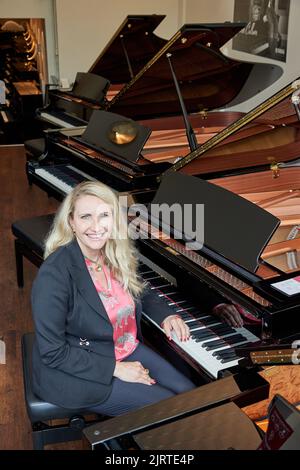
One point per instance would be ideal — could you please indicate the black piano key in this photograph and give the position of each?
(202, 335)
(151, 275)
(229, 359)
(215, 344)
(193, 323)
(225, 354)
(222, 329)
(143, 268)
(209, 321)
(234, 339)
(186, 318)
(177, 308)
(159, 282)
(167, 290)
(197, 315)
(188, 306)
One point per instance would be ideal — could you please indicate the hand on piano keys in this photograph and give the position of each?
(211, 343)
(175, 324)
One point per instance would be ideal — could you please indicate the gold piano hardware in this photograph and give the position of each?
(228, 131)
(170, 250)
(275, 169)
(280, 356)
(183, 40)
(123, 132)
(204, 113)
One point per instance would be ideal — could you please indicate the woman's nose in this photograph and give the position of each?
(97, 224)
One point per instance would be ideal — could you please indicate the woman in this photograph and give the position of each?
(87, 301)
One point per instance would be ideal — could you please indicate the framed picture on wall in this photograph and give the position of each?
(266, 31)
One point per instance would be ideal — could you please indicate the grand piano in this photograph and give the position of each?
(248, 253)
(135, 64)
(130, 48)
(253, 161)
(207, 80)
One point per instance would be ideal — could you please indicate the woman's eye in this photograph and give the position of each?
(86, 216)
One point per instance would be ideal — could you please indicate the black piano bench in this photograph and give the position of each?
(29, 242)
(41, 413)
(34, 148)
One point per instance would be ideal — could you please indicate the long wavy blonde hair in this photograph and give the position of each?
(119, 252)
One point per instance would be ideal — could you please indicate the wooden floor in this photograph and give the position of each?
(17, 200)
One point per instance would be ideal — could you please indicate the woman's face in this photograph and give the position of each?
(92, 222)
(256, 12)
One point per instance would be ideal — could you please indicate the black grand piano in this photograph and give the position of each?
(251, 165)
(207, 80)
(130, 48)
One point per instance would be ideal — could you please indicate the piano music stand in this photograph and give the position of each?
(97, 132)
(234, 228)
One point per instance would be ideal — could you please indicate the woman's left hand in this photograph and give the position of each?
(174, 323)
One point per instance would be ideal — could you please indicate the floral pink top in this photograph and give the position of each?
(120, 309)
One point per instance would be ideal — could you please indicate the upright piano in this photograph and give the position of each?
(130, 48)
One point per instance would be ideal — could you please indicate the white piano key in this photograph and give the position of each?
(55, 120)
(4, 116)
(59, 183)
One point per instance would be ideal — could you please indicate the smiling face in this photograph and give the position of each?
(256, 12)
(92, 222)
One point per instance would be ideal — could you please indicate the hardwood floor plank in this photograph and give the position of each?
(17, 201)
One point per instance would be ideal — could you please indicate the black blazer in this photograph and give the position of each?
(73, 355)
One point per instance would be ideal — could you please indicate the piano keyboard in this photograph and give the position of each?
(63, 177)
(212, 341)
(61, 119)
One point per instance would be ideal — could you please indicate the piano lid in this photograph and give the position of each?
(202, 213)
(207, 78)
(130, 48)
(265, 137)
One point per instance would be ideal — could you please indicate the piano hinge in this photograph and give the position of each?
(275, 169)
(173, 252)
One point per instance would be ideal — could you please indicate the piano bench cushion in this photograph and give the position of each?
(35, 147)
(33, 231)
(37, 409)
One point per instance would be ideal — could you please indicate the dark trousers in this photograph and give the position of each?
(127, 396)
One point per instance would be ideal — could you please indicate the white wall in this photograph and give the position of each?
(209, 11)
(218, 11)
(85, 26)
(34, 9)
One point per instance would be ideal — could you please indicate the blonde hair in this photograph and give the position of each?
(119, 252)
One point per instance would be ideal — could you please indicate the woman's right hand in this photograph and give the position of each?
(133, 372)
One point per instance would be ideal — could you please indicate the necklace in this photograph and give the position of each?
(97, 263)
